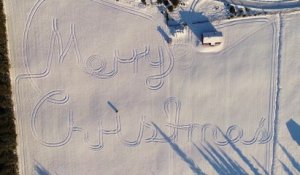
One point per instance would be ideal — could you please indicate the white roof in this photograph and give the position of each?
(212, 37)
(212, 34)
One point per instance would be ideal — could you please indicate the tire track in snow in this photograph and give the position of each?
(49, 97)
(277, 102)
(193, 5)
(267, 136)
(29, 21)
(123, 9)
(266, 4)
(265, 22)
(71, 41)
(271, 107)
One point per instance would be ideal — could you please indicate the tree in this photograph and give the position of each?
(232, 10)
(170, 8)
(175, 2)
(166, 3)
(8, 157)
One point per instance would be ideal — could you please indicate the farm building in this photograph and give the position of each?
(212, 38)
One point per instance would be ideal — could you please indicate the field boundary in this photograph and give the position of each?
(8, 143)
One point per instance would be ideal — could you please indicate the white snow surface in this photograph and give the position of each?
(181, 108)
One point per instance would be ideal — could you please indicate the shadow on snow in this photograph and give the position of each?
(180, 152)
(40, 170)
(195, 21)
(294, 129)
(292, 160)
(221, 162)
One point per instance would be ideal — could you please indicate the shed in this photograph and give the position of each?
(212, 38)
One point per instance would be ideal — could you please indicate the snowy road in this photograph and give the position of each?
(267, 4)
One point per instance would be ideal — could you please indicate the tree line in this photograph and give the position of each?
(168, 5)
(8, 155)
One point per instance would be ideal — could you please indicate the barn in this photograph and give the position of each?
(212, 38)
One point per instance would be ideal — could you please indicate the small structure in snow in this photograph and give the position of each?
(112, 106)
(212, 38)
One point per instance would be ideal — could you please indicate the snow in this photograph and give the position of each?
(289, 93)
(98, 90)
(267, 4)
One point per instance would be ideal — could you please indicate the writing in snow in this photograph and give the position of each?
(233, 134)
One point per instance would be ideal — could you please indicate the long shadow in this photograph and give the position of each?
(222, 163)
(241, 155)
(163, 34)
(40, 170)
(197, 22)
(180, 152)
(260, 166)
(294, 162)
(294, 130)
(285, 168)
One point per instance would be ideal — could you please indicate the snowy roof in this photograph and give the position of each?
(212, 38)
(212, 34)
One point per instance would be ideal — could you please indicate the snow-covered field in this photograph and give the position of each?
(98, 90)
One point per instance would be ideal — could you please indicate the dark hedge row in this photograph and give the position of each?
(8, 157)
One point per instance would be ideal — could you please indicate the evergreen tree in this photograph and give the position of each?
(170, 8)
(175, 2)
(8, 157)
(232, 10)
